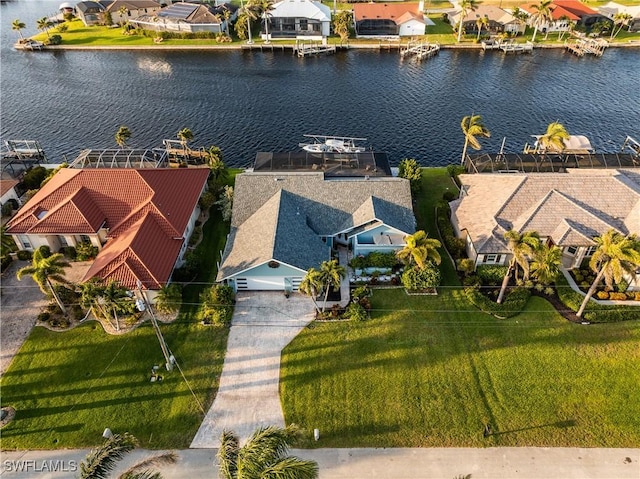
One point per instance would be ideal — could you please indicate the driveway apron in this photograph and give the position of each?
(248, 397)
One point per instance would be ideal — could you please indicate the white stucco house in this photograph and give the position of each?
(285, 223)
(302, 19)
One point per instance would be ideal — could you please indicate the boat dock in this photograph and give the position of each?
(420, 50)
(304, 49)
(512, 47)
(586, 46)
(491, 44)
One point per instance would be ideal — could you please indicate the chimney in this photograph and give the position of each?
(421, 6)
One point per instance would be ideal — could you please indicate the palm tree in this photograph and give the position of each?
(621, 20)
(522, 248)
(124, 12)
(108, 301)
(472, 127)
(17, 25)
(331, 274)
(555, 137)
(540, 16)
(44, 24)
(185, 136)
(169, 298)
(263, 456)
(8, 245)
(247, 12)
(101, 461)
(342, 24)
(546, 262)
(311, 285)
(122, 136)
(615, 255)
(44, 270)
(466, 6)
(418, 249)
(262, 9)
(480, 22)
(565, 20)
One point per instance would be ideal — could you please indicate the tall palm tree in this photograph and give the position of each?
(466, 6)
(311, 285)
(44, 270)
(17, 25)
(247, 12)
(541, 15)
(522, 247)
(565, 20)
(418, 249)
(615, 255)
(472, 127)
(263, 456)
(331, 273)
(100, 462)
(555, 137)
(262, 9)
(44, 24)
(546, 262)
(481, 22)
(122, 136)
(620, 20)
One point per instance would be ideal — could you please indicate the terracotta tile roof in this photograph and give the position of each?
(146, 211)
(384, 11)
(571, 9)
(6, 185)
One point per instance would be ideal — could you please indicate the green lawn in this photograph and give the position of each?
(432, 371)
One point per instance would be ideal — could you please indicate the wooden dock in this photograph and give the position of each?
(420, 51)
(303, 49)
(491, 44)
(511, 47)
(265, 47)
(586, 46)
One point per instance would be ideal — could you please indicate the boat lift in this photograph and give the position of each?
(333, 144)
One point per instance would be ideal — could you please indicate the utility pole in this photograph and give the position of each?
(142, 305)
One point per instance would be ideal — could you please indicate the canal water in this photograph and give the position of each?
(249, 102)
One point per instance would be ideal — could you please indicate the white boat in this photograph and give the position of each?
(577, 144)
(333, 144)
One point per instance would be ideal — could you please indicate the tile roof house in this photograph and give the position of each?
(134, 9)
(567, 209)
(140, 220)
(389, 19)
(565, 11)
(305, 19)
(187, 17)
(498, 20)
(283, 224)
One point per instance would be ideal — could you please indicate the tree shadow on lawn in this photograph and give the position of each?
(56, 429)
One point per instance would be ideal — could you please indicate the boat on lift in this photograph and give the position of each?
(333, 144)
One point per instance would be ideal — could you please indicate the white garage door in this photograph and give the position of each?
(260, 283)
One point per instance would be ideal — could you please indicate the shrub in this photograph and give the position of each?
(410, 169)
(515, 301)
(217, 305)
(358, 262)
(207, 200)
(613, 296)
(86, 251)
(419, 279)
(24, 255)
(491, 274)
(44, 316)
(449, 196)
(54, 40)
(5, 262)
(466, 265)
(45, 251)
(378, 259)
(195, 236)
(7, 209)
(359, 293)
(69, 252)
(34, 177)
(602, 295)
(356, 312)
(622, 286)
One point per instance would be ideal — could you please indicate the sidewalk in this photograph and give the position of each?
(491, 463)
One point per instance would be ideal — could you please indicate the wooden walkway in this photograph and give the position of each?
(420, 51)
(313, 48)
(511, 47)
(586, 46)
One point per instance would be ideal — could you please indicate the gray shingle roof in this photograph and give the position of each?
(282, 216)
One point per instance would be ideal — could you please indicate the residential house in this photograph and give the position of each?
(389, 19)
(498, 20)
(90, 12)
(566, 209)
(187, 17)
(131, 9)
(139, 219)
(613, 8)
(305, 19)
(285, 223)
(567, 12)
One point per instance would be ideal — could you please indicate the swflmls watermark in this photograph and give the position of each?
(45, 465)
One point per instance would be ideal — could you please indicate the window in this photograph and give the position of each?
(571, 250)
(303, 24)
(24, 241)
(85, 239)
(63, 241)
(492, 258)
(590, 251)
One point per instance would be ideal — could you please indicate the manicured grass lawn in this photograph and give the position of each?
(432, 371)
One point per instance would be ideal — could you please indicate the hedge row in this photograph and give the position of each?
(456, 246)
(513, 304)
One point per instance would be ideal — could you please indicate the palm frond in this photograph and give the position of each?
(291, 468)
(228, 455)
(142, 470)
(101, 461)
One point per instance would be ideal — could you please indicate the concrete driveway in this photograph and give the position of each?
(263, 324)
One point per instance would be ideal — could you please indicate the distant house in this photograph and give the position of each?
(498, 20)
(187, 17)
(9, 192)
(304, 19)
(565, 12)
(613, 8)
(90, 12)
(389, 19)
(566, 209)
(285, 223)
(134, 9)
(140, 220)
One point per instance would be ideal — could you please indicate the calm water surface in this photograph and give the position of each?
(246, 102)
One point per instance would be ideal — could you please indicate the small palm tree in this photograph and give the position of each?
(122, 136)
(615, 255)
(44, 24)
(185, 136)
(44, 270)
(418, 249)
(522, 247)
(311, 285)
(124, 12)
(472, 127)
(555, 137)
(331, 274)
(107, 301)
(100, 462)
(540, 16)
(481, 22)
(263, 456)
(545, 265)
(169, 298)
(17, 25)
(466, 6)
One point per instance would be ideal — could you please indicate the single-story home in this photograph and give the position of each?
(305, 19)
(566, 209)
(566, 12)
(186, 17)
(389, 19)
(139, 219)
(285, 223)
(498, 20)
(134, 9)
(612, 8)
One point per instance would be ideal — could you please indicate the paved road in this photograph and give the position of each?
(263, 323)
(490, 463)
